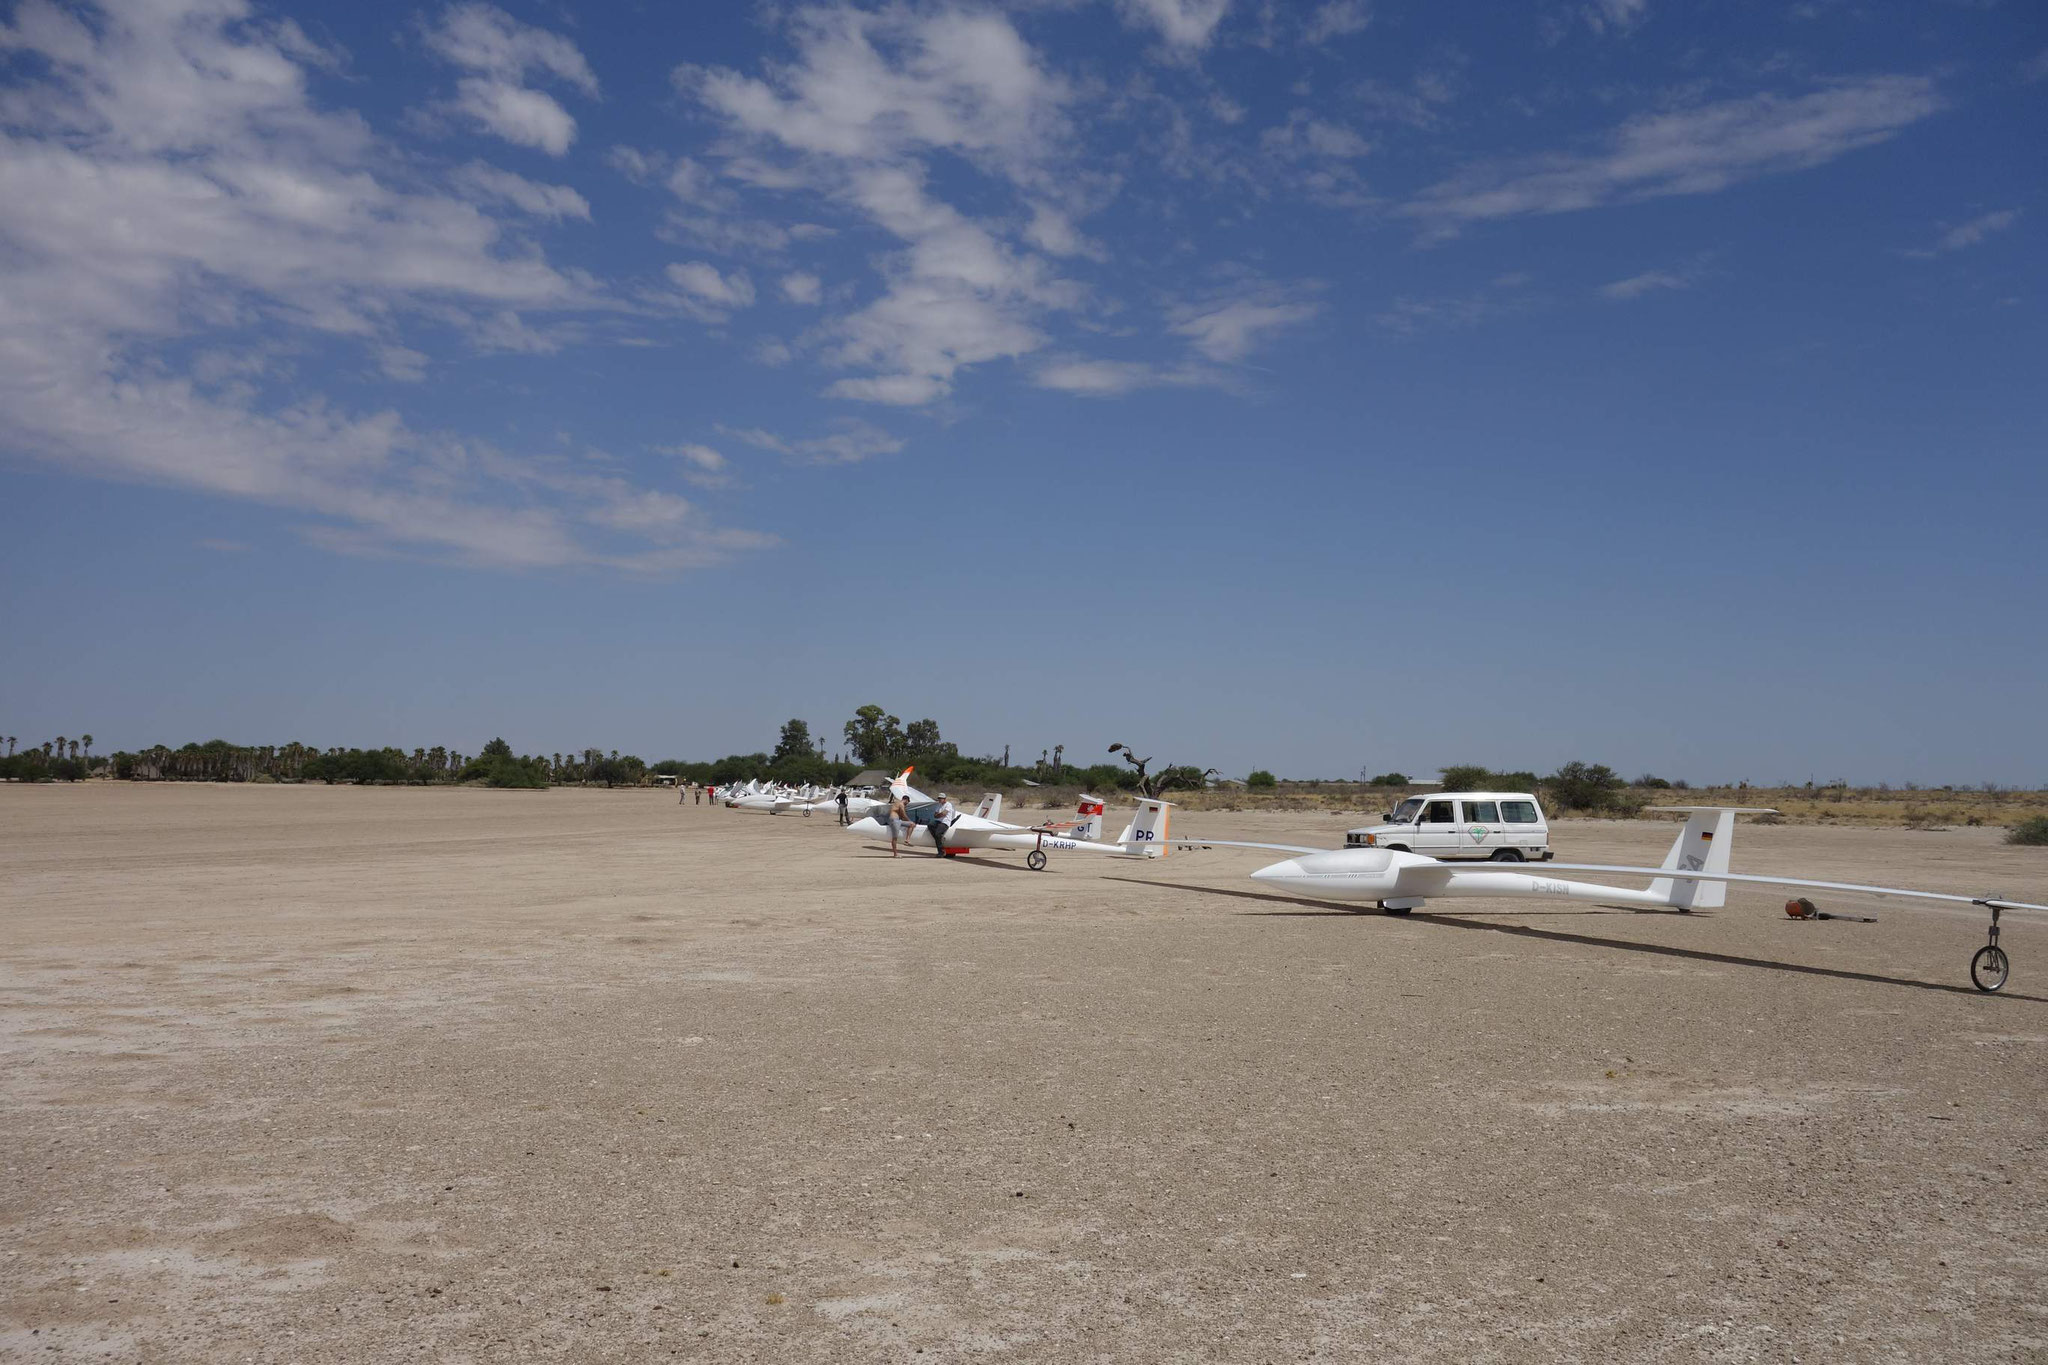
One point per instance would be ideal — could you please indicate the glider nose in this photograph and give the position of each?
(868, 827)
(1285, 873)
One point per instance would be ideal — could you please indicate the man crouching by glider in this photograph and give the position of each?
(954, 831)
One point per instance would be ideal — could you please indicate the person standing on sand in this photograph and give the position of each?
(941, 817)
(844, 818)
(899, 820)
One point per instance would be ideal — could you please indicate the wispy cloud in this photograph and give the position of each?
(1503, 295)
(1614, 16)
(1689, 151)
(1227, 324)
(704, 466)
(1336, 19)
(1185, 26)
(1092, 378)
(502, 52)
(266, 212)
(1965, 235)
(849, 442)
(1684, 276)
(870, 97)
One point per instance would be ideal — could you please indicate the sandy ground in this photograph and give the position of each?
(300, 1074)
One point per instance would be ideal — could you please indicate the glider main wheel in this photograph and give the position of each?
(1990, 968)
(1035, 860)
(1395, 909)
(1506, 855)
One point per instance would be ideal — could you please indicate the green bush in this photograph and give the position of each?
(2033, 830)
(1261, 780)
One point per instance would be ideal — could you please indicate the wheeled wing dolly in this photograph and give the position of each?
(1990, 968)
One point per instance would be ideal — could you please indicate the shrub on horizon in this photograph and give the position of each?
(2033, 831)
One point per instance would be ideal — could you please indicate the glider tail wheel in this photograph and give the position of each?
(1035, 860)
(1990, 968)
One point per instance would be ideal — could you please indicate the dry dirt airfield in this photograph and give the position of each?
(311, 1074)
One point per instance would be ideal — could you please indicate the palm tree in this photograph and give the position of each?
(74, 751)
(87, 741)
(10, 746)
(61, 742)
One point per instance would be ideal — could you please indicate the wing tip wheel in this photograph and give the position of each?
(1035, 860)
(1990, 968)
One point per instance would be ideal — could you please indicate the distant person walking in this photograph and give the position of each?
(844, 818)
(899, 821)
(700, 796)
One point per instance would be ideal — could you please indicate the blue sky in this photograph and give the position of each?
(1314, 386)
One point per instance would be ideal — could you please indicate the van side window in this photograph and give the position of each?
(1485, 812)
(1436, 813)
(1518, 812)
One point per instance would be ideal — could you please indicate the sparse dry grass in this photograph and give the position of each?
(1864, 807)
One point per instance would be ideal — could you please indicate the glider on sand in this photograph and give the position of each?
(1694, 876)
(1143, 837)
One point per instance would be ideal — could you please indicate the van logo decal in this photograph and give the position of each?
(1479, 831)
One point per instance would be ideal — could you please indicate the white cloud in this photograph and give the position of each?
(1336, 19)
(1226, 328)
(703, 466)
(1618, 15)
(1690, 151)
(702, 456)
(850, 442)
(485, 38)
(1971, 233)
(1186, 25)
(402, 364)
(1502, 295)
(870, 96)
(542, 201)
(703, 283)
(525, 118)
(1635, 286)
(802, 287)
(1305, 136)
(502, 52)
(165, 182)
(1089, 378)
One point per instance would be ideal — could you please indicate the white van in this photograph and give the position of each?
(1506, 827)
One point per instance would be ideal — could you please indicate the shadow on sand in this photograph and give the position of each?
(1473, 920)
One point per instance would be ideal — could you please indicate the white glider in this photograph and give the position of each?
(1144, 837)
(1694, 876)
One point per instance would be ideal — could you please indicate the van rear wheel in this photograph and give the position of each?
(1506, 855)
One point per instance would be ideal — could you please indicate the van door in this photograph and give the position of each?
(1526, 829)
(1479, 831)
(1436, 830)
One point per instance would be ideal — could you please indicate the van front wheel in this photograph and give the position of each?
(1507, 855)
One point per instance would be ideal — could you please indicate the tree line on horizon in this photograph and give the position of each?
(872, 739)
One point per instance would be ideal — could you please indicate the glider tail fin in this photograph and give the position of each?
(1704, 845)
(1146, 834)
(991, 807)
(1089, 809)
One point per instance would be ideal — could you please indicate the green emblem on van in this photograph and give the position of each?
(1479, 831)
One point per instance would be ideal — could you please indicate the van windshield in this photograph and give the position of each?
(1404, 814)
